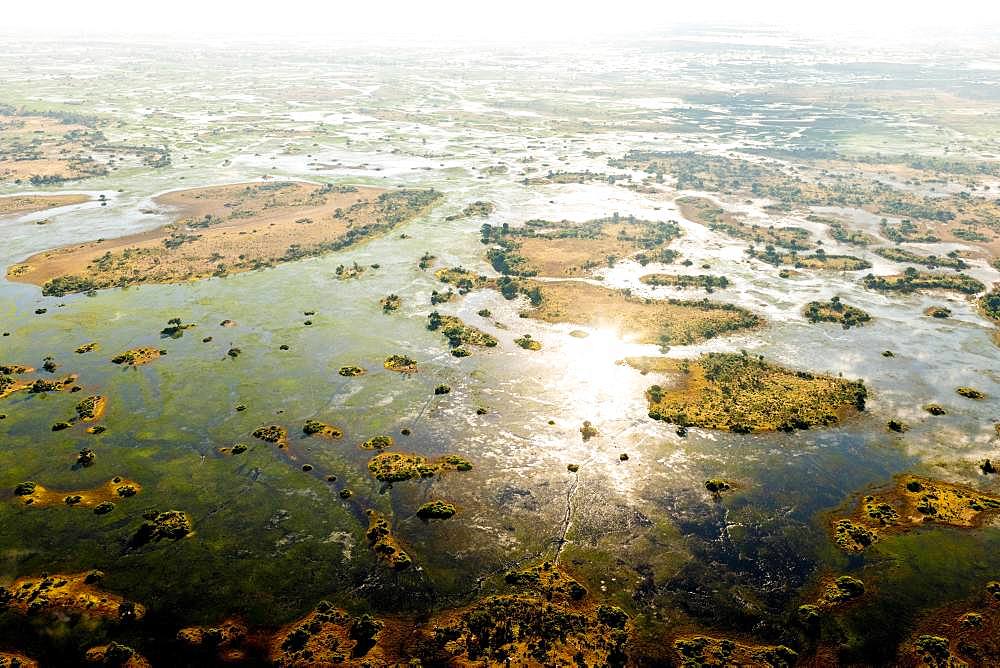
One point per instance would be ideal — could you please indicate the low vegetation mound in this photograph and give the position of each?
(743, 394)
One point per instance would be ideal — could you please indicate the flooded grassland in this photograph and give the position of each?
(675, 359)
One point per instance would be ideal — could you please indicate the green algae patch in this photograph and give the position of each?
(75, 594)
(836, 311)
(87, 348)
(137, 356)
(744, 394)
(399, 466)
(698, 650)
(400, 364)
(458, 333)
(317, 428)
(435, 510)
(351, 371)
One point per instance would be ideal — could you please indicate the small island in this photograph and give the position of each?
(837, 311)
(743, 394)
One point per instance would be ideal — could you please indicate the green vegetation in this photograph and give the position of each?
(174, 329)
(399, 466)
(458, 333)
(271, 433)
(912, 280)
(835, 311)
(989, 304)
(743, 394)
(400, 364)
(477, 209)
(818, 260)
(170, 524)
(137, 356)
(950, 261)
(716, 218)
(390, 303)
(378, 443)
(940, 312)
(528, 343)
(435, 510)
(970, 393)
(705, 281)
(351, 371)
(840, 232)
(312, 427)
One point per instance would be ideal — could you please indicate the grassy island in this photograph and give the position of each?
(818, 260)
(435, 510)
(477, 209)
(383, 543)
(912, 280)
(400, 364)
(399, 466)
(909, 502)
(835, 311)
(317, 428)
(458, 333)
(73, 594)
(949, 261)
(664, 322)
(703, 281)
(707, 213)
(137, 356)
(696, 650)
(21, 204)
(220, 230)
(569, 249)
(743, 394)
(328, 636)
(33, 494)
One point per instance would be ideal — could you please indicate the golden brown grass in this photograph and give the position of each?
(669, 322)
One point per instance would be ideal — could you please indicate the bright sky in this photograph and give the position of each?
(489, 20)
